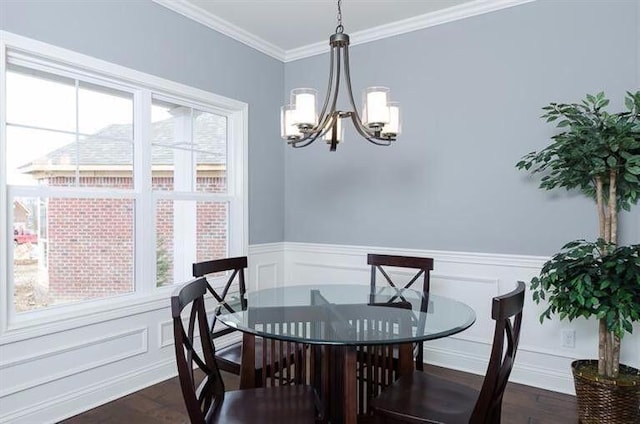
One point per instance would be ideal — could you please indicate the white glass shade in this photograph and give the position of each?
(375, 109)
(304, 101)
(288, 130)
(339, 135)
(392, 129)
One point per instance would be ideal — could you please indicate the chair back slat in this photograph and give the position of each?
(201, 399)
(507, 312)
(206, 269)
(424, 266)
(201, 269)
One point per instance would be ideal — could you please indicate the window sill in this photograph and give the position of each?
(57, 319)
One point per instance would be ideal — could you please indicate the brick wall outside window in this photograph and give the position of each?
(90, 241)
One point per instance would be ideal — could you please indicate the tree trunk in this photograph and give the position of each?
(608, 355)
(616, 356)
(608, 343)
(602, 346)
(600, 206)
(613, 207)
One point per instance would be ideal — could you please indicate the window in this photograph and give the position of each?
(101, 167)
(189, 156)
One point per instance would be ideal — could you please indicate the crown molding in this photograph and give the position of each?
(454, 13)
(207, 19)
(462, 11)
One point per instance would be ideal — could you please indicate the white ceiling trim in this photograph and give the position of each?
(462, 11)
(227, 28)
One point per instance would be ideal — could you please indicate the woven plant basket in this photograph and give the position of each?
(606, 401)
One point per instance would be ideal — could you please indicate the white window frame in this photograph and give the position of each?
(146, 296)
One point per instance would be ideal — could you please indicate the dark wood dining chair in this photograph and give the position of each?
(425, 398)
(423, 268)
(229, 358)
(203, 390)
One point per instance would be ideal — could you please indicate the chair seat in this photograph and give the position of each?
(425, 395)
(277, 405)
(229, 357)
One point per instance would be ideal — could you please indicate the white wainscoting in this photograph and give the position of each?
(473, 278)
(70, 368)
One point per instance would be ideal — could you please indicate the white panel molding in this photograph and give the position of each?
(56, 408)
(165, 335)
(165, 341)
(443, 256)
(266, 274)
(266, 248)
(70, 348)
(266, 266)
(451, 14)
(48, 378)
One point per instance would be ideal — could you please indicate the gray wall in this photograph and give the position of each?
(150, 38)
(471, 93)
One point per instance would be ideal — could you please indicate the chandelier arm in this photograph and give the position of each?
(311, 136)
(321, 117)
(336, 88)
(332, 96)
(296, 144)
(355, 117)
(318, 131)
(323, 123)
(370, 138)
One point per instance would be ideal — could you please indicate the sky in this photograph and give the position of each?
(46, 105)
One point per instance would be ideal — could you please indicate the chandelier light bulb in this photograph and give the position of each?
(376, 107)
(392, 129)
(304, 100)
(288, 130)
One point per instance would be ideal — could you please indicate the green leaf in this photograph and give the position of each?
(628, 102)
(635, 170)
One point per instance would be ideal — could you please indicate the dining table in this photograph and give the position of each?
(342, 324)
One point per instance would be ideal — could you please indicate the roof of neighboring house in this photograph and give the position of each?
(19, 206)
(109, 146)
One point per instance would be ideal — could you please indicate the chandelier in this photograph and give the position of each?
(301, 125)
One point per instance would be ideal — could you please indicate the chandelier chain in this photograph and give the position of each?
(339, 28)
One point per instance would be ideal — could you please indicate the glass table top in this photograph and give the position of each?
(346, 314)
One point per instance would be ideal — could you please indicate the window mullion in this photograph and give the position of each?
(145, 270)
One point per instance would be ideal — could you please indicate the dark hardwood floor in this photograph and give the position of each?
(162, 404)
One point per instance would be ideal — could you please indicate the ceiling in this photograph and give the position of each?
(291, 24)
(291, 29)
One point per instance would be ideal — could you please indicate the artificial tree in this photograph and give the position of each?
(598, 153)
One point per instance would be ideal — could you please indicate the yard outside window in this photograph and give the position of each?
(97, 171)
